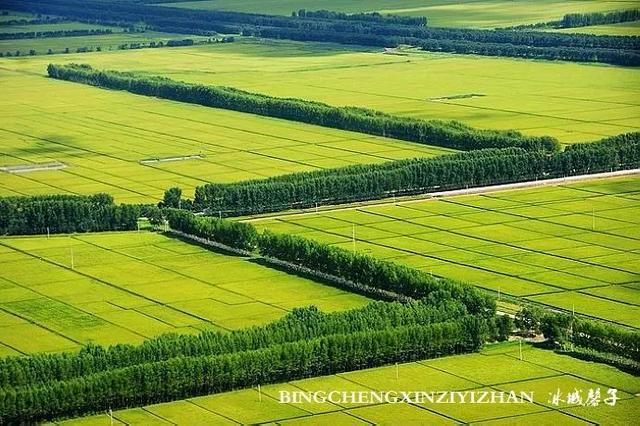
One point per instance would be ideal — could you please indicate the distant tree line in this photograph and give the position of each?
(59, 33)
(301, 324)
(357, 267)
(573, 20)
(64, 214)
(34, 21)
(414, 176)
(433, 132)
(184, 377)
(576, 47)
(366, 17)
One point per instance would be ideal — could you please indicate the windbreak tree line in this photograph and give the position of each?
(301, 324)
(48, 34)
(573, 20)
(339, 29)
(183, 377)
(420, 21)
(65, 214)
(449, 134)
(413, 176)
(352, 266)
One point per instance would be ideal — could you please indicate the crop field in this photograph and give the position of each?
(540, 371)
(104, 137)
(576, 247)
(65, 291)
(535, 97)
(623, 29)
(103, 41)
(445, 13)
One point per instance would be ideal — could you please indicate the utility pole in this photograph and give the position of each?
(259, 393)
(47, 232)
(72, 266)
(520, 344)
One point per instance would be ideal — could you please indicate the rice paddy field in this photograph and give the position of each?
(574, 247)
(539, 371)
(446, 13)
(104, 138)
(573, 102)
(63, 292)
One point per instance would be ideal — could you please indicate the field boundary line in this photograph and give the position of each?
(390, 201)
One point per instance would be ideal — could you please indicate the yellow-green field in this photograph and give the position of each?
(448, 13)
(623, 29)
(497, 368)
(574, 102)
(103, 135)
(575, 247)
(92, 42)
(127, 287)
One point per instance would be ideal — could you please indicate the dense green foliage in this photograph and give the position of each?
(64, 214)
(337, 28)
(48, 34)
(432, 132)
(365, 17)
(300, 324)
(352, 266)
(183, 377)
(600, 337)
(572, 20)
(421, 175)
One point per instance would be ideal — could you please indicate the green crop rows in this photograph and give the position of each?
(573, 246)
(85, 128)
(126, 287)
(535, 97)
(540, 371)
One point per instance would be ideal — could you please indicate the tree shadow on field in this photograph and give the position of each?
(216, 250)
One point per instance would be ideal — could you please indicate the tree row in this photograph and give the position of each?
(184, 377)
(433, 132)
(335, 28)
(414, 176)
(300, 324)
(65, 214)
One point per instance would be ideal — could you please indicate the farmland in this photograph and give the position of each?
(540, 371)
(127, 287)
(535, 97)
(448, 13)
(134, 291)
(574, 246)
(233, 146)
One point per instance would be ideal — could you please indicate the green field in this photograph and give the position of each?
(623, 29)
(127, 287)
(448, 13)
(497, 368)
(574, 102)
(103, 41)
(571, 246)
(103, 135)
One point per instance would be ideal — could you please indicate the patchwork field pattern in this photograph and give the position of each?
(127, 287)
(540, 371)
(575, 247)
(102, 136)
(535, 97)
(447, 13)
